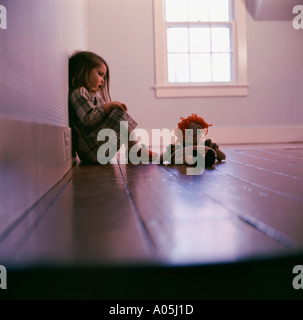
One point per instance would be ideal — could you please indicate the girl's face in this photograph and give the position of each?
(96, 77)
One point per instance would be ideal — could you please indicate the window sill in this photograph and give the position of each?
(204, 90)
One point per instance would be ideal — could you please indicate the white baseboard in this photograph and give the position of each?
(240, 135)
(248, 135)
(33, 158)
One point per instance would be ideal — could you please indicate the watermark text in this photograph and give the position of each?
(297, 282)
(298, 19)
(3, 17)
(3, 277)
(186, 151)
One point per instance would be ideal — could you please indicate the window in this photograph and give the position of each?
(200, 48)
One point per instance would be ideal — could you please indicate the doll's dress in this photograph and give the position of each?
(178, 152)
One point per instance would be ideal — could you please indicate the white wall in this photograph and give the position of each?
(122, 32)
(34, 51)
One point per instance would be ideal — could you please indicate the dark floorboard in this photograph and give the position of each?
(152, 231)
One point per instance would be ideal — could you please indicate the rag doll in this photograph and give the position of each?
(193, 139)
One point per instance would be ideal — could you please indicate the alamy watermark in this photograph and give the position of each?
(3, 277)
(186, 151)
(3, 17)
(297, 22)
(297, 282)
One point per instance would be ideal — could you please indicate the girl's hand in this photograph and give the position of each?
(109, 106)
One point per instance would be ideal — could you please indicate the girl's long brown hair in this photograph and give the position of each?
(81, 63)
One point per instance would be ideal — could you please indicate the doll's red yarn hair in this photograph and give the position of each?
(184, 123)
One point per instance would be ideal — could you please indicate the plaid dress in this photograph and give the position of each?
(87, 117)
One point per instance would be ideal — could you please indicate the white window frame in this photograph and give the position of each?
(237, 87)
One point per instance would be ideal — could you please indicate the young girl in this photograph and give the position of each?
(91, 108)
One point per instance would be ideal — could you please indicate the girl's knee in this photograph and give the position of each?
(117, 112)
(117, 115)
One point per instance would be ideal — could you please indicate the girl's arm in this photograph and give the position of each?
(83, 104)
(109, 106)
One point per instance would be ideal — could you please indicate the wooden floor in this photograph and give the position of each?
(151, 231)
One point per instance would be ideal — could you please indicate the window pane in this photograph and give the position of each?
(219, 10)
(200, 67)
(177, 39)
(198, 10)
(221, 67)
(176, 10)
(178, 67)
(199, 39)
(220, 39)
